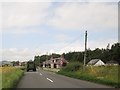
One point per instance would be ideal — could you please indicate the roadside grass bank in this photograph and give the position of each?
(107, 75)
(11, 77)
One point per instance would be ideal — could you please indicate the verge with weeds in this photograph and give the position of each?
(11, 76)
(107, 75)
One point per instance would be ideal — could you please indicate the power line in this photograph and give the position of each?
(69, 43)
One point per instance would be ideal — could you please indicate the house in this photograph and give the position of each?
(112, 62)
(96, 62)
(55, 62)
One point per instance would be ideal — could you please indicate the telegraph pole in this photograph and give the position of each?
(85, 50)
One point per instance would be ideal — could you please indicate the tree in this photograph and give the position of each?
(105, 55)
(115, 52)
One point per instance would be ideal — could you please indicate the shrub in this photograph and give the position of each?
(72, 66)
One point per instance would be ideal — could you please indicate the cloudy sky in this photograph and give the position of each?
(36, 28)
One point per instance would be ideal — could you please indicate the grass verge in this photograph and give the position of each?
(107, 75)
(11, 77)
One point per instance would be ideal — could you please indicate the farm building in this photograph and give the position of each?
(96, 62)
(55, 62)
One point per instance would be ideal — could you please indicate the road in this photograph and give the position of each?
(45, 79)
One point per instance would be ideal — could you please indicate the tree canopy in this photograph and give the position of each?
(105, 55)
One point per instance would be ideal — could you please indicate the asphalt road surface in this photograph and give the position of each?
(45, 79)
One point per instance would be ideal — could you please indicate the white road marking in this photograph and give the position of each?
(41, 74)
(49, 79)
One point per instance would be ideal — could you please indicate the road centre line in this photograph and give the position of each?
(49, 79)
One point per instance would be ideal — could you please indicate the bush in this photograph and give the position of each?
(73, 66)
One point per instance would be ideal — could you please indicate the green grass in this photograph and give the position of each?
(105, 75)
(10, 79)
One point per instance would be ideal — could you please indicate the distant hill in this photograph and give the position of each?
(5, 62)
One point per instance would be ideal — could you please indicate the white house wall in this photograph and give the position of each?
(99, 63)
(43, 65)
(57, 66)
(52, 65)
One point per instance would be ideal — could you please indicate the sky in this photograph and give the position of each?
(37, 28)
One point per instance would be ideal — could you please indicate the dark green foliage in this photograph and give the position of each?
(105, 55)
(72, 66)
(74, 56)
(115, 52)
(54, 55)
(15, 63)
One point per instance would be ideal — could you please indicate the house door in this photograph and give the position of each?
(54, 65)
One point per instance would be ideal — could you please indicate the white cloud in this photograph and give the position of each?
(18, 54)
(101, 43)
(28, 53)
(62, 38)
(85, 16)
(0, 32)
(0, 26)
(87, 0)
(68, 16)
(26, 0)
(80, 16)
(24, 14)
(103, 0)
(22, 31)
(59, 1)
